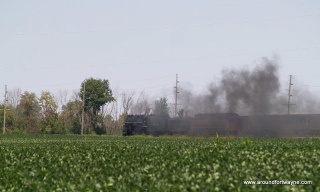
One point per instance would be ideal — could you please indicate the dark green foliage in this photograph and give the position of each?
(49, 116)
(76, 126)
(43, 115)
(70, 117)
(99, 163)
(10, 116)
(29, 106)
(97, 93)
(99, 128)
(29, 112)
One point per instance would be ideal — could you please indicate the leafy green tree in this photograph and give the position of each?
(98, 121)
(121, 121)
(48, 113)
(15, 122)
(29, 109)
(96, 94)
(10, 118)
(70, 117)
(161, 107)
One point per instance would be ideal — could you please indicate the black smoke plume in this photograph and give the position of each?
(254, 89)
(246, 92)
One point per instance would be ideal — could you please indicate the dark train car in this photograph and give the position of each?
(145, 124)
(216, 123)
(157, 125)
(135, 124)
(261, 126)
(296, 125)
(179, 126)
(311, 125)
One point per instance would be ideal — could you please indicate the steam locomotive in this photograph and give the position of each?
(225, 124)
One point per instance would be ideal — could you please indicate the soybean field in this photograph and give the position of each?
(167, 163)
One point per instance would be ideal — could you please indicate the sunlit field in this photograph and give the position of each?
(145, 163)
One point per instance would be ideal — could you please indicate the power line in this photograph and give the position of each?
(165, 27)
(150, 87)
(306, 85)
(159, 77)
(164, 60)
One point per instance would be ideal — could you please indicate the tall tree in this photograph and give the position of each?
(96, 94)
(70, 117)
(48, 112)
(161, 107)
(48, 105)
(29, 105)
(29, 109)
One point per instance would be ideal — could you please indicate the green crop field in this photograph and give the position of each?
(141, 163)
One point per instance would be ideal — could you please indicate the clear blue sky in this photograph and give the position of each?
(141, 45)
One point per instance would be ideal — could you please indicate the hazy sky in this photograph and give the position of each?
(140, 45)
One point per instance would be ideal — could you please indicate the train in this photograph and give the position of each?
(225, 124)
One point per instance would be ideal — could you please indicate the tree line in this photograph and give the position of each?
(95, 107)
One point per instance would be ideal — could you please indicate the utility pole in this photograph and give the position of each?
(289, 96)
(4, 109)
(176, 101)
(83, 102)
